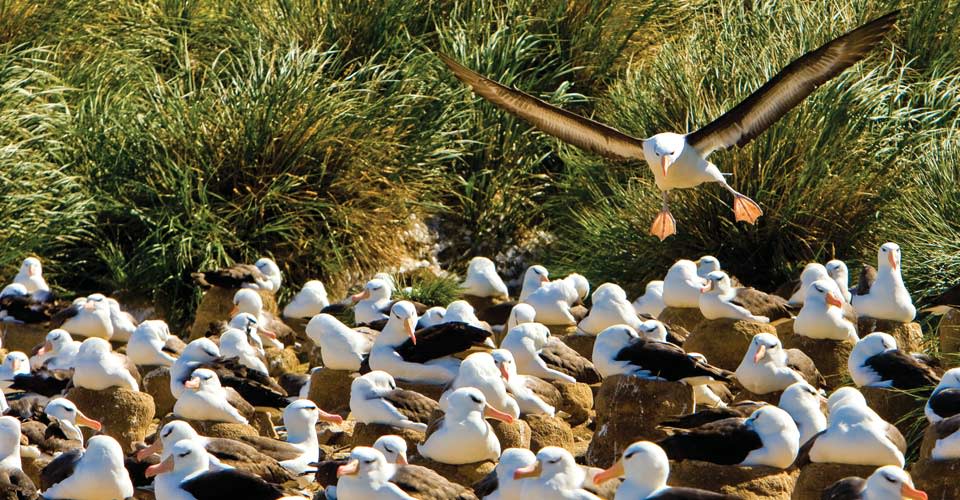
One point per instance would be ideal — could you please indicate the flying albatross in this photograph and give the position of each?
(679, 161)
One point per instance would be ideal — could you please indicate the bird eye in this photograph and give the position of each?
(184, 454)
(628, 455)
(71, 410)
(169, 431)
(389, 450)
(369, 461)
(554, 461)
(888, 478)
(475, 400)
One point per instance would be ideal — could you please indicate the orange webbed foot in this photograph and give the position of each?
(746, 210)
(663, 225)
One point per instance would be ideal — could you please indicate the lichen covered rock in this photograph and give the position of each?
(724, 341)
(816, 477)
(937, 479)
(124, 414)
(892, 405)
(829, 356)
(367, 434)
(216, 305)
(909, 335)
(629, 409)
(748, 483)
(549, 431)
(684, 317)
(330, 390)
(156, 383)
(576, 400)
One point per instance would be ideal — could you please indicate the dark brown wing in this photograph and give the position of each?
(434, 426)
(803, 456)
(230, 483)
(61, 316)
(724, 442)
(412, 404)
(949, 298)
(565, 359)
(487, 485)
(564, 125)
(681, 493)
(14, 483)
(904, 370)
(762, 304)
(441, 340)
(789, 87)
(868, 274)
(498, 314)
(896, 437)
(743, 409)
(60, 468)
(545, 390)
(800, 362)
(667, 361)
(425, 484)
(276, 449)
(946, 402)
(232, 277)
(850, 488)
(947, 427)
(244, 457)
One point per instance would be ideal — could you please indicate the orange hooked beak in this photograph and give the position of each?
(348, 469)
(907, 491)
(615, 471)
(268, 333)
(761, 352)
(47, 347)
(360, 296)
(193, 383)
(32, 271)
(491, 412)
(234, 311)
(532, 470)
(401, 460)
(330, 417)
(707, 288)
(410, 325)
(160, 468)
(833, 300)
(89, 305)
(156, 447)
(665, 162)
(504, 373)
(88, 422)
(544, 279)
(15, 364)
(893, 264)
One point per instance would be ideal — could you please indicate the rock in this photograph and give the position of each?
(298, 325)
(126, 415)
(481, 304)
(686, 318)
(466, 474)
(742, 394)
(366, 434)
(280, 361)
(33, 466)
(829, 356)
(336, 435)
(576, 400)
(515, 435)
(724, 341)
(262, 421)
(949, 331)
(432, 391)
(893, 405)
(909, 335)
(209, 428)
(330, 390)
(549, 431)
(216, 305)
(24, 337)
(748, 483)
(816, 477)
(157, 384)
(629, 409)
(580, 342)
(563, 331)
(937, 479)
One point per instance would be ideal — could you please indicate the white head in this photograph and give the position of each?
(875, 343)
(403, 318)
(376, 289)
(247, 301)
(706, 265)
(579, 283)
(64, 411)
(234, 343)
(845, 396)
(106, 451)
(393, 447)
(642, 463)
(521, 313)
(766, 348)
(652, 329)
(303, 414)
(664, 148)
(203, 380)
(170, 434)
(511, 460)
(608, 292)
(315, 286)
(96, 302)
(824, 292)
(534, 277)
(364, 462)
(250, 324)
(801, 393)
(950, 379)
(201, 350)
(17, 362)
(54, 341)
(837, 269)
(270, 269)
(655, 287)
(614, 338)
(94, 347)
(31, 267)
(505, 363)
(536, 332)
(718, 283)
(433, 316)
(683, 268)
(892, 482)
(772, 421)
(888, 257)
(460, 310)
(812, 272)
(468, 400)
(153, 329)
(324, 323)
(373, 383)
(186, 457)
(550, 461)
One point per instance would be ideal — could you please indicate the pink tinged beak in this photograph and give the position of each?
(32, 271)
(156, 447)
(409, 326)
(615, 471)
(89, 305)
(234, 311)
(893, 262)
(401, 460)
(544, 279)
(348, 469)
(330, 417)
(761, 352)
(193, 383)
(532, 470)
(16, 364)
(268, 333)
(833, 300)
(908, 491)
(665, 164)
(360, 296)
(47, 347)
(88, 422)
(160, 468)
(491, 412)
(504, 373)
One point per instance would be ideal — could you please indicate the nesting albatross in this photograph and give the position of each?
(679, 161)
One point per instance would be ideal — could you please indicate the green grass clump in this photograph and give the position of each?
(427, 288)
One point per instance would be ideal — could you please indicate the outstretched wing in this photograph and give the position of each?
(790, 86)
(568, 127)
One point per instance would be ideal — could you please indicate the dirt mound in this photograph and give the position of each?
(749, 483)
(724, 341)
